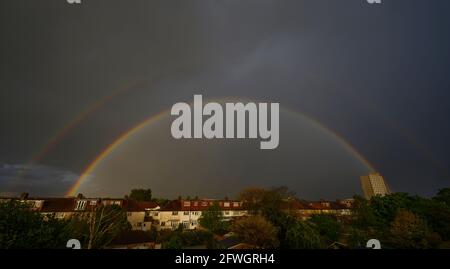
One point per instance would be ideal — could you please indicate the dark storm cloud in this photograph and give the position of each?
(35, 179)
(376, 74)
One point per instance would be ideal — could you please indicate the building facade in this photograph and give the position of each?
(373, 185)
(187, 213)
(142, 216)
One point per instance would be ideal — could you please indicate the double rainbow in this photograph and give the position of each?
(128, 135)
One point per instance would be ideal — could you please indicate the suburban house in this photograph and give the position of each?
(306, 209)
(188, 212)
(64, 208)
(142, 216)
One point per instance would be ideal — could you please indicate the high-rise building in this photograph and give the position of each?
(373, 184)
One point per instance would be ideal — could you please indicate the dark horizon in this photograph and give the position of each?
(363, 88)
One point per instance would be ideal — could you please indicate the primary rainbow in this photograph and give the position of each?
(122, 138)
(128, 134)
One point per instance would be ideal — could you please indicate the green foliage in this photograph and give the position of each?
(443, 196)
(363, 213)
(409, 231)
(300, 235)
(256, 231)
(174, 242)
(252, 199)
(212, 219)
(437, 216)
(431, 218)
(153, 233)
(161, 201)
(327, 226)
(22, 228)
(294, 233)
(141, 194)
(357, 238)
(181, 239)
(264, 201)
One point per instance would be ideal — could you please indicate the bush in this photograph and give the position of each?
(22, 228)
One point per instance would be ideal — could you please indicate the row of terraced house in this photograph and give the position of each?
(145, 215)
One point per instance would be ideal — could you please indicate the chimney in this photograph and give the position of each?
(24, 196)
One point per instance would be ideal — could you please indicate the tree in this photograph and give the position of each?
(443, 196)
(212, 219)
(179, 239)
(100, 226)
(409, 231)
(264, 201)
(357, 238)
(252, 199)
(256, 231)
(291, 232)
(141, 195)
(161, 201)
(300, 235)
(294, 233)
(374, 216)
(22, 228)
(175, 242)
(327, 226)
(437, 216)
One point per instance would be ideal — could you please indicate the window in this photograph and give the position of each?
(155, 214)
(195, 203)
(175, 224)
(129, 214)
(187, 203)
(174, 213)
(226, 204)
(38, 204)
(204, 203)
(186, 213)
(80, 205)
(186, 224)
(227, 213)
(163, 223)
(236, 204)
(93, 202)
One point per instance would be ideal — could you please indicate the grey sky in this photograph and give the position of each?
(375, 74)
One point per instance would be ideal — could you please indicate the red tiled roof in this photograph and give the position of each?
(69, 204)
(136, 206)
(199, 205)
(58, 205)
(326, 205)
(296, 205)
(313, 205)
(172, 206)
